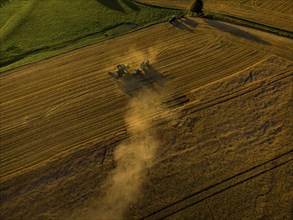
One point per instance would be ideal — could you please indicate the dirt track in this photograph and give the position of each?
(68, 110)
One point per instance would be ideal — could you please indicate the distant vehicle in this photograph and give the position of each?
(122, 70)
(172, 19)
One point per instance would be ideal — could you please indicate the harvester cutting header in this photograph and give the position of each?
(123, 70)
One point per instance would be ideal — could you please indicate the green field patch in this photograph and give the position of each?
(38, 27)
(15, 19)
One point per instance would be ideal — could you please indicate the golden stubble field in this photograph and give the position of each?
(273, 13)
(187, 140)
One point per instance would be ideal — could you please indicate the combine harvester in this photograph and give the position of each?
(122, 71)
(133, 82)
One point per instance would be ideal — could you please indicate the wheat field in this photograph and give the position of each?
(277, 14)
(63, 117)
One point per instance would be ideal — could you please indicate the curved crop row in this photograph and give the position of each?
(58, 104)
(268, 12)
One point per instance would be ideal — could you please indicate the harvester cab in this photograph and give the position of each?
(121, 70)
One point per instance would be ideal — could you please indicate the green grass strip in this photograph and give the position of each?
(32, 32)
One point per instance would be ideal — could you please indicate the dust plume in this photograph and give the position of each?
(137, 56)
(132, 159)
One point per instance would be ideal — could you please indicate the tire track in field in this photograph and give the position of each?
(200, 196)
(225, 98)
(221, 186)
(210, 103)
(22, 152)
(236, 94)
(68, 100)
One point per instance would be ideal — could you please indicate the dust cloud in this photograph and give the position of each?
(135, 57)
(132, 159)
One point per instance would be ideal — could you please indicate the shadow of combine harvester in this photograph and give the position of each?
(183, 23)
(143, 78)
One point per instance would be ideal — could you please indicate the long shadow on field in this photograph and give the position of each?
(189, 22)
(235, 31)
(112, 4)
(4, 3)
(181, 25)
(150, 80)
(131, 5)
(117, 5)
